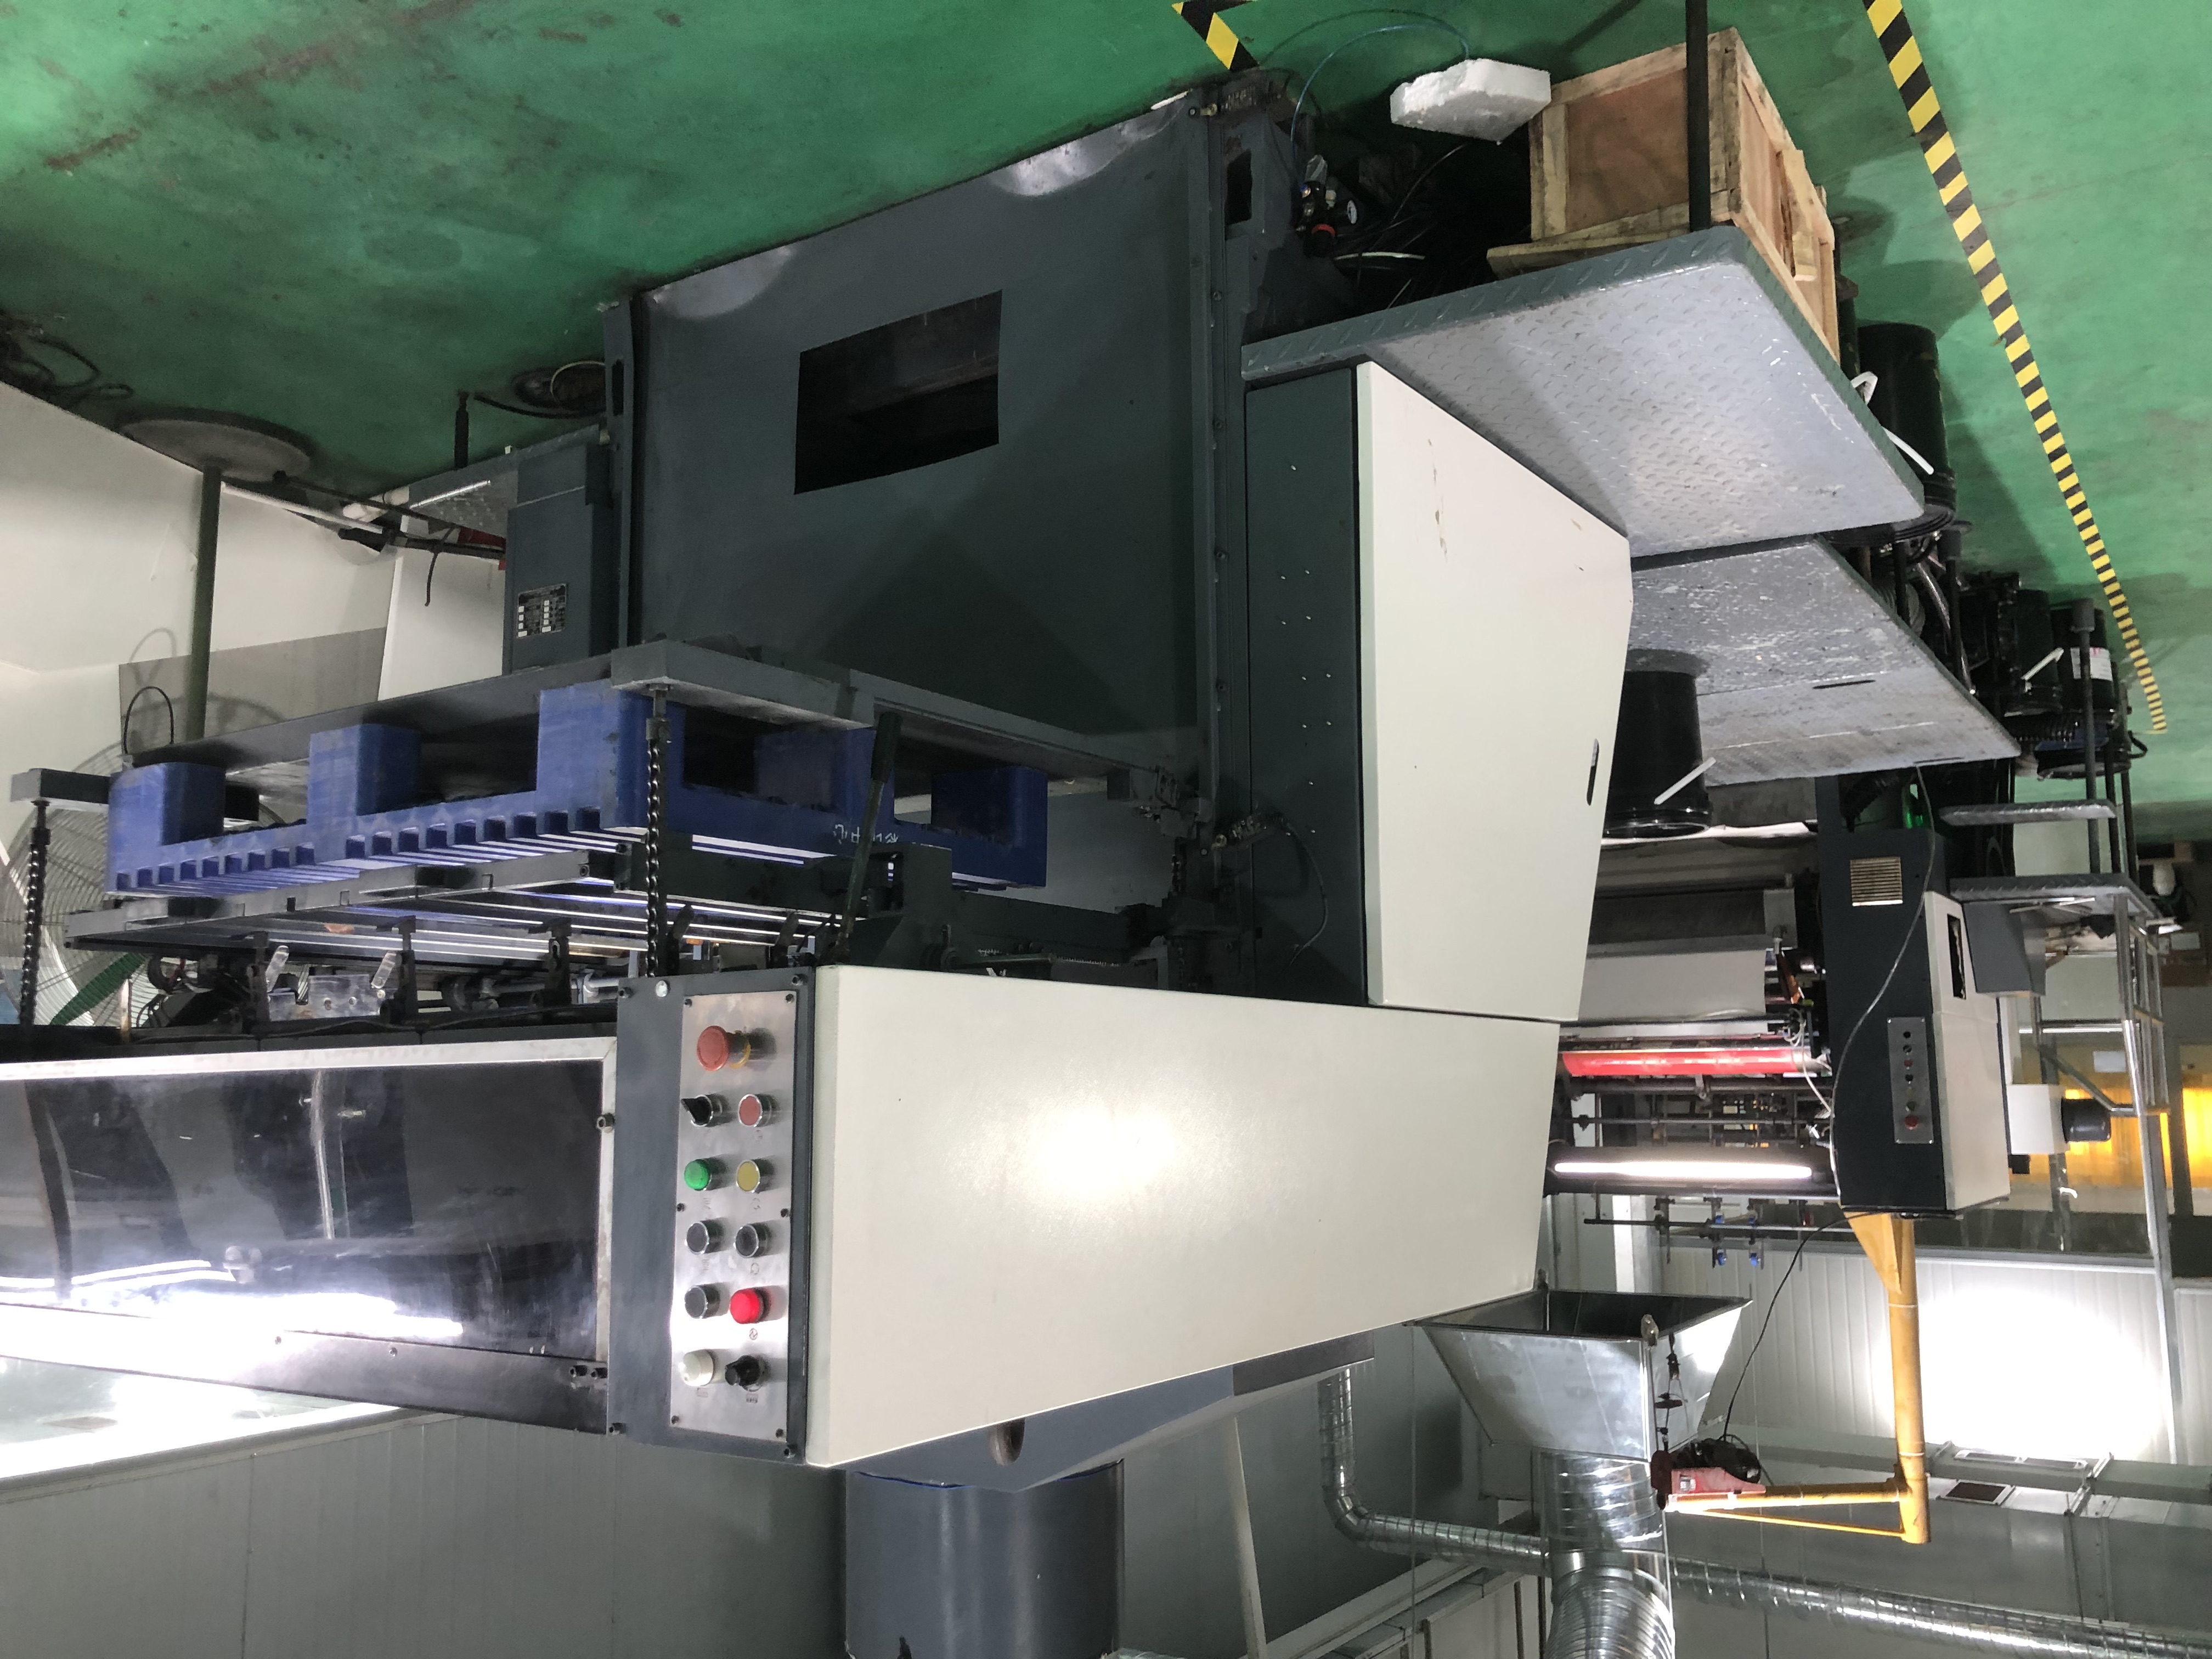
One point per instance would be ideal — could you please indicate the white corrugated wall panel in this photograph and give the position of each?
(2026, 1355)
(437, 1537)
(431, 1539)
(183, 1600)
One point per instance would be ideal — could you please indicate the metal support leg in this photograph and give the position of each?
(1248, 1555)
(2143, 1082)
(1698, 113)
(194, 722)
(2046, 1056)
(2177, 1134)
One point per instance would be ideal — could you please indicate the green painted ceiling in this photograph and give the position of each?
(331, 213)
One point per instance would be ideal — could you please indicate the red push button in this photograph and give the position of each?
(751, 1110)
(718, 1047)
(749, 1307)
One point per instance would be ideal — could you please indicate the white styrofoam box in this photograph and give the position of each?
(1478, 97)
(1493, 622)
(1028, 1195)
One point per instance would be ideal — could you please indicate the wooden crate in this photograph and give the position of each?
(1609, 164)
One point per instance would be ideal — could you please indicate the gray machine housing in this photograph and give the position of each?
(1051, 571)
(562, 539)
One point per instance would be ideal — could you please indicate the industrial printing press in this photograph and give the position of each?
(1043, 790)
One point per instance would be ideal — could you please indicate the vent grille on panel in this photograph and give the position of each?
(1877, 881)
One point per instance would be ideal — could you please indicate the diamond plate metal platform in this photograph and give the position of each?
(1807, 671)
(1673, 390)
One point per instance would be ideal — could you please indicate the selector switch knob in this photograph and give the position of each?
(752, 1175)
(718, 1047)
(747, 1371)
(749, 1307)
(698, 1368)
(749, 1240)
(753, 1110)
(705, 1301)
(705, 1237)
(705, 1109)
(701, 1173)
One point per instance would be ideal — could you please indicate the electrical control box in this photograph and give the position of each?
(974, 1199)
(1916, 1048)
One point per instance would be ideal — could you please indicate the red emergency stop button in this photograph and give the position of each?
(749, 1307)
(718, 1047)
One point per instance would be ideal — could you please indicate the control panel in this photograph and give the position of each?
(1911, 1087)
(730, 1189)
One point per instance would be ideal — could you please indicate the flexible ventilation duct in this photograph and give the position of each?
(1619, 1610)
(1607, 1539)
(1921, 1618)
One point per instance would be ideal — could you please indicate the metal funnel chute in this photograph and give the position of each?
(1595, 1383)
(1599, 1372)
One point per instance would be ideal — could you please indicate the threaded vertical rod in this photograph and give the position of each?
(660, 956)
(34, 915)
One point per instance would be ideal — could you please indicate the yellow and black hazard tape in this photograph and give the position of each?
(1204, 17)
(1941, 152)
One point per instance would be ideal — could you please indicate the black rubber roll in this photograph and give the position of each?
(1655, 746)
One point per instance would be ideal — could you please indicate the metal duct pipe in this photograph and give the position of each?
(1402, 1532)
(1921, 1618)
(1607, 1538)
(1960, 1624)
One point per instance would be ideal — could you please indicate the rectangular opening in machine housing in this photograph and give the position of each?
(437, 1202)
(907, 394)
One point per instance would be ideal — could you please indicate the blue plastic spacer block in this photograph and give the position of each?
(150, 807)
(827, 771)
(361, 769)
(1004, 804)
(591, 755)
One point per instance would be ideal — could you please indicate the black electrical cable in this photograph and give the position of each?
(1424, 22)
(1420, 178)
(131, 707)
(21, 367)
(1836, 1078)
(1729, 1416)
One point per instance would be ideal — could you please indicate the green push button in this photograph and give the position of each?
(700, 1173)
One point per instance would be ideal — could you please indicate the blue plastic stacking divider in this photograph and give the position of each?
(810, 786)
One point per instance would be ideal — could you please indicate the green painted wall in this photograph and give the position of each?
(331, 213)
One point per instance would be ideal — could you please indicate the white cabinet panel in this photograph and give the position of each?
(1493, 627)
